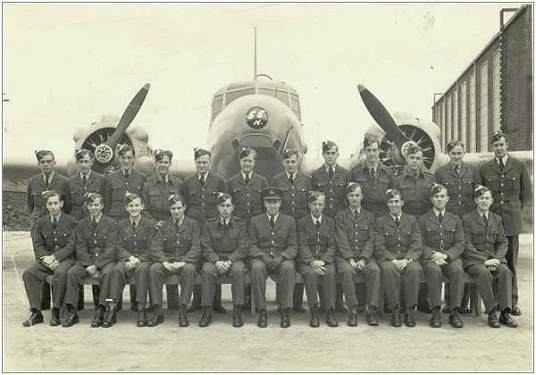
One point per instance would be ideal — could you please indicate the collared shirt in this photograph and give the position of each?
(123, 171)
(396, 217)
(504, 159)
(86, 174)
(164, 179)
(96, 219)
(178, 222)
(225, 221)
(50, 177)
(315, 219)
(354, 211)
(248, 175)
(274, 216)
(289, 175)
(437, 212)
(330, 166)
(486, 214)
(57, 217)
(204, 175)
(135, 222)
(372, 167)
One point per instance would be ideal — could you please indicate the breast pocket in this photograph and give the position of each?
(363, 232)
(493, 182)
(512, 184)
(468, 187)
(77, 197)
(479, 237)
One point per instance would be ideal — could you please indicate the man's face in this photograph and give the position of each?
(291, 164)
(439, 200)
(85, 164)
(54, 205)
(247, 163)
(372, 153)
(134, 208)
(354, 198)
(177, 211)
(95, 208)
(484, 201)
(414, 161)
(226, 209)
(202, 164)
(317, 206)
(395, 205)
(456, 155)
(500, 147)
(331, 155)
(46, 164)
(126, 161)
(272, 206)
(163, 165)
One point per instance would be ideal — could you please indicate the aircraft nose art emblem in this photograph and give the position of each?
(257, 117)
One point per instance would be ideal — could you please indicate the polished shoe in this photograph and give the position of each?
(331, 320)
(315, 320)
(465, 310)
(237, 316)
(35, 318)
(262, 321)
(285, 318)
(156, 319)
(219, 309)
(493, 321)
(454, 319)
(395, 317)
(206, 318)
(71, 320)
(341, 309)
(110, 317)
(507, 320)
(55, 317)
(352, 317)
(515, 310)
(372, 317)
(435, 321)
(298, 309)
(98, 319)
(409, 318)
(141, 318)
(183, 318)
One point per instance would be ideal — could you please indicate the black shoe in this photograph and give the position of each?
(206, 318)
(219, 309)
(237, 316)
(372, 317)
(246, 306)
(515, 310)
(141, 318)
(387, 309)
(331, 320)
(156, 319)
(71, 320)
(409, 318)
(507, 320)
(352, 317)
(55, 317)
(464, 310)
(35, 318)
(315, 320)
(395, 317)
(341, 309)
(110, 317)
(98, 319)
(446, 309)
(298, 309)
(285, 318)
(493, 321)
(262, 322)
(435, 321)
(183, 318)
(455, 320)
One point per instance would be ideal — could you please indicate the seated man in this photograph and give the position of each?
(273, 247)
(443, 243)
(53, 243)
(398, 247)
(316, 242)
(484, 258)
(175, 250)
(225, 246)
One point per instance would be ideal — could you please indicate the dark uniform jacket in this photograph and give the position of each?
(34, 200)
(374, 189)
(446, 237)
(460, 187)
(482, 244)
(334, 188)
(115, 188)
(218, 243)
(95, 244)
(316, 243)
(415, 191)
(356, 239)
(156, 193)
(294, 200)
(94, 184)
(247, 197)
(401, 242)
(266, 243)
(201, 200)
(134, 242)
(58, 241)
(182, 245)
(511, 190)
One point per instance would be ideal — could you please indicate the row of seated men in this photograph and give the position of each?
(199, 190)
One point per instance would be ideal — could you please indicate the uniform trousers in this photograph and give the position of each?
(119, 278)
(313, 281)
(209, 277)
(494, 286)
(285, 277)
(511, 260)
(75, 279)
(392, 278)
(157, 278)
(35, 276)
(435, 275)
(349, 276)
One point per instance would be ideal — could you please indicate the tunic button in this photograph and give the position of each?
(247, 195)
(95, 241)
(202, 197)
(502, 202)
(293, 194)
(502, 175)
(273, 242)
(331, 182)
(273, 233)
(55, 239)
(502, 193)
(502, 184)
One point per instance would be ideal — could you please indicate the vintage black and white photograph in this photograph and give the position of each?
(275, 187)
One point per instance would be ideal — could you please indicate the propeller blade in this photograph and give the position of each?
(382, 117)
(128, 116)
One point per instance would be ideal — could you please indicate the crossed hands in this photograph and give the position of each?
(400, 264)
(358, 265)
(319, 266)
(93, 272)
(172, 266)
(492, 264)
(132, 262)
(439, 258)
(223, 266)
(50, 262)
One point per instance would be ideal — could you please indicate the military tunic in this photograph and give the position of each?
(415, 191)
(247, 197)
(115, 188)
(334, 188)
(94, 184)
(294, 200)
(156, 193)
(374, 188)
(37, 186)
(460, 187)
(201, 199)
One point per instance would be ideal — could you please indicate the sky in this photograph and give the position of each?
(66, 65)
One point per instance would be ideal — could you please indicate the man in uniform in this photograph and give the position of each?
(484, 259)
(85, 181)
(509, 181)
(373, 177)
(176, 250)
(53, 244)
(316, 243)
(398, 247)
(225, 247)
(443, 243)
(200, 192)
(331, 179)
(294, 186)
(355, 240)
(273, 247)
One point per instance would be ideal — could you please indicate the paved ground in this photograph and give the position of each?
(224, 348)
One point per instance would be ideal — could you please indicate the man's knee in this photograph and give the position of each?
(258, 266)
(432, 269)
(287, 266)
(503, 269)
(238, 268)
(373, 268)
(388, 268)
(189, 269)
(209, 268)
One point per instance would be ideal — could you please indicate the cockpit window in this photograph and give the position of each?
(217, 105)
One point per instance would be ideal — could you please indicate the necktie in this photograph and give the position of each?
(440, 217)
(54, 222)
(272, 221)
(177, 225)
(291, 178)
(202, 180)
(127, 175)
(397, 221)
(225, 227)
(134, 225)
(485, 221)
(457, 169)
(372, 172)
(47, 179)
(330, 172)
(501, 164)
(94, 223)
(84, 180)
(317, 224)
(247, 178)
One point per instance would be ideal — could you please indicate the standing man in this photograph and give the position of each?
(85, 181)
(443, 244)
(53, 244)
(274, 245)
(294, 186)
(509, 182)
(225, 247)
(484, 259)
(398, 248)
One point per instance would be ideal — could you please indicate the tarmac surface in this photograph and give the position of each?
(221, 347)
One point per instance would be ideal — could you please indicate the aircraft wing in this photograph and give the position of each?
(16, 173)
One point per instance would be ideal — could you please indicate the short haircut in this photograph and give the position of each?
(452, 144)
(391, 193)
(313, 196)
(413, 149)
(42, 153)
(436, 188)
(288, 152)
(247, 151)
(198, 152)
(79, 154)
(129, 197)
(328, 145)
(370, 139)
(352, 186)
(175, 198)
(498, 135)
(122, 149)
(223, 197)
(92, 197)
(160, 154)
(481, 190)
(46, 195)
